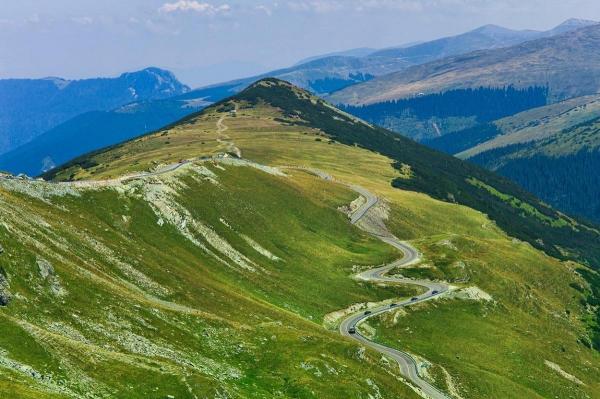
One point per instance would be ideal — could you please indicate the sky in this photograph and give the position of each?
(208, 41)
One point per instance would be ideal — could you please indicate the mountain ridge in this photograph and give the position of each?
(436, 174)
(548, 61)
(207, 259)
(322, 76)
(29, 107)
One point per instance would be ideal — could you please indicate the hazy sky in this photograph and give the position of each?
(220, 39)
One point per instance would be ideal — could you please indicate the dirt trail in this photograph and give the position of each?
(224, 139)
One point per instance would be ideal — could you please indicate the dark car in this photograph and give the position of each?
(414, 298)
(352, 330)
(434, 292)
(393, 305)
(367, 312)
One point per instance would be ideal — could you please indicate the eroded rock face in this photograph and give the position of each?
(48, 274)
(45, 268)
(5, 295)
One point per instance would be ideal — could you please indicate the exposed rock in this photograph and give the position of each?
(311, 368)
(47, 273)
(5, 295)
(39, 189)
(470, 293)
(376, 391)
(452, 386)
(447, 243)
(244, 162)
(353, 206)
(373, 221)
(45, 380)
(261, 250)
(162, 197)
(45, 268)
(563, 373)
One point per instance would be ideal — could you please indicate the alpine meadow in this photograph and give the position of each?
(416, 220)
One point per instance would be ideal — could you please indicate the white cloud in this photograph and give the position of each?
(83, 20)
(265, 9)
(195, 6)
(318, 6)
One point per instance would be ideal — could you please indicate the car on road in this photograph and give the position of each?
(367, 312)
(393, 305)
(434, 292)
(352, 330)
(414, 298)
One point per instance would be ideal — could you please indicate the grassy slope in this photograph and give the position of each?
(442, 176)
(539, 313)
(539, 124)
(503, 344)
(202, 328)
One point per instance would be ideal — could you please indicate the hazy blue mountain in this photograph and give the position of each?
(29, 107)
(567, 63)
(485, 37)
(326, 74)
(355, 52)
(200, 76)
(569, 25)
(111, 124)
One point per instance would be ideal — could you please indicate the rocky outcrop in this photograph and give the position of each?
(48, 274)
(5, 295)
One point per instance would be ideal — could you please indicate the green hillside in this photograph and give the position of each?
(558, 168)
(224, 277)
(535, 125)
(549, 151)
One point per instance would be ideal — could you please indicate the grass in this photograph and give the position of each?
(540, 124)
(524, 206)
(197, 325)
(258, 328)
(498, 349)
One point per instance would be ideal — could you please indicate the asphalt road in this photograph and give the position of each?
(408, 365)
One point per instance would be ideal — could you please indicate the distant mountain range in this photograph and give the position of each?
(29, 107)
(568, 63)
(330, 73)
(355, 52)
(66, 111)
(96, 129)
(92, 130)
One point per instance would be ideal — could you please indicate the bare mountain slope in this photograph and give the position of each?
(569, 64)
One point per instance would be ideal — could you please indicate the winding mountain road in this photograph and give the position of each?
(349, 326)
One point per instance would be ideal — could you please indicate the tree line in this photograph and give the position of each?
(486, 103)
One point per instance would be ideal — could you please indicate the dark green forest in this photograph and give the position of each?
(570, 183)
(487, 104)
(329, 85)
(455, 142)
